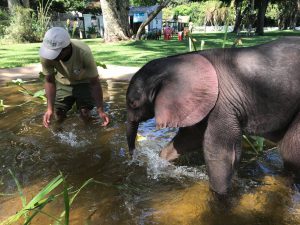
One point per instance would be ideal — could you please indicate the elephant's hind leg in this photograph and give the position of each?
(290, 147)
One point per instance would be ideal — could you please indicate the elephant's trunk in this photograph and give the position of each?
(131, 132)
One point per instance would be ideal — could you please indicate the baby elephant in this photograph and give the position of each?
(215, 97)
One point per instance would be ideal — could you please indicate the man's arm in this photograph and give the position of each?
(97, 94)
(50, 89)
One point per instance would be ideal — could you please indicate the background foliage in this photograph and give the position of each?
(29, 24)
(22, 25)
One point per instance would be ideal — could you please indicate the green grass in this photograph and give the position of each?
(133, 53)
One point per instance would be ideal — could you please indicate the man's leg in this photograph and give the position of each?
(84, 100)
(63, 101)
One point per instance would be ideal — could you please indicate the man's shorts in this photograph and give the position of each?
(67, 95)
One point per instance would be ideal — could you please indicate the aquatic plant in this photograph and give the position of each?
(44, 197)
(35, 206)
(37, 95)
(2, 106)
(255, 142)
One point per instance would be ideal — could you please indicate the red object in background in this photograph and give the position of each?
(167, 33)
(165, 36)
(180, 35)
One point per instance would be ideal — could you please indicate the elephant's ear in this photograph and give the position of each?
(189, 93)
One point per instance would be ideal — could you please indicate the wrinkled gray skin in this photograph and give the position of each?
(257, 93)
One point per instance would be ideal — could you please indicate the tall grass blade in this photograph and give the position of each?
(250, 143)
(77, 192)
(39, 209)
(226, 27)
(67, 203)
(71, 200)
(260, 143)
(39, 199)
(23, 198)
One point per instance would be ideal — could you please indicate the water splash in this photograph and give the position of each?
(151, 141)
(70, 138)
(159, 168)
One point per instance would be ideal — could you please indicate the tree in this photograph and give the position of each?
(26, 3)
(288, 14)
(162, 4)
(12, 3)
(142, 2)
(115, 20)
(260, 5)
(238, 15)
(262, 8)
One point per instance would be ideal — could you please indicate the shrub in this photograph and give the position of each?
(22, 25)
(4, 21)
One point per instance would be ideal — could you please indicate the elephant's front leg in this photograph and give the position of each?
(186, 140)
(222, 150)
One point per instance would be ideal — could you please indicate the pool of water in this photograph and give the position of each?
(139, 190)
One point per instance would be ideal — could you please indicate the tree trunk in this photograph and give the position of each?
(296, 14)
(262, 7)
(25, 3)
(115, 20)
(12, 3)
(151, 16)
(238, 17)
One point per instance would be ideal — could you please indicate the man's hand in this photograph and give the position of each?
(47, 118)
(97, 94)
(104, 118)
(50, 89)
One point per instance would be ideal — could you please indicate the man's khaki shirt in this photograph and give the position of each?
(78, 69)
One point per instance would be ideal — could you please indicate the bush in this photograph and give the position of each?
(4, 21)
(22, 27)
(24, 24)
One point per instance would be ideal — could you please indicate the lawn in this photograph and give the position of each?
(133, 53)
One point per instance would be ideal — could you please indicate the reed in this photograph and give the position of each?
(35, 207)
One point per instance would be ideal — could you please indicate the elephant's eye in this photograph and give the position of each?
(133, 104)
(139, 92)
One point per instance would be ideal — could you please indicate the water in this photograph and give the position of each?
(140, 190)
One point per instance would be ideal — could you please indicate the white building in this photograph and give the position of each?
(137, 15)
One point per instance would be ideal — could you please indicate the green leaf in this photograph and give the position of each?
(73, 198)
(23, 198)
(41, 75)
(2, 107)
(18, 81)
(39, 93)
(67, 203)
(39, 209)
(101, 65)
(37, 201)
